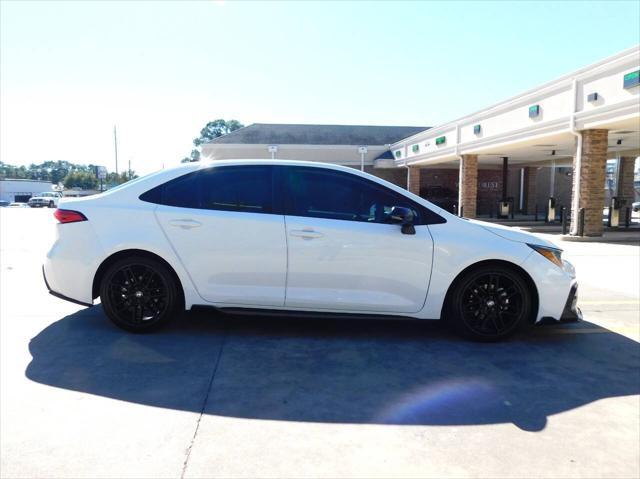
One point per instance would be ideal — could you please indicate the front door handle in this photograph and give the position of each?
(185, 224)
(306, 233)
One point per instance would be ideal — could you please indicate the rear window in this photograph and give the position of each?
(246, 189)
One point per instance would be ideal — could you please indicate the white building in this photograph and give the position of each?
(551, 141)
(21, 190)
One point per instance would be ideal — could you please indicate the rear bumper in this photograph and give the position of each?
(71, 262)
(58, 295)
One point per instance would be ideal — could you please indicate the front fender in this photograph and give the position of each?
(459, 245)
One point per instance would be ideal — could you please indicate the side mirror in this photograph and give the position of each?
(405, 217)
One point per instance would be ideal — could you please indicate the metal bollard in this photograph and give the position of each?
(563, 214)
(581, 222)
(461, 211)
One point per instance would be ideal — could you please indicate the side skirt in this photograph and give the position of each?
(286, 313)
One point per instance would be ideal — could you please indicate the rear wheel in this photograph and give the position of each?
(51, 204)
(139, 294)
(489, 303)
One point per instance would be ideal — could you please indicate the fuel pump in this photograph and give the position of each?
(551, 210)
(614, 211)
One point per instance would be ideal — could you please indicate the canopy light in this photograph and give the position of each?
(441, 140)
(592, 97)
(631, 79)
(534, 111)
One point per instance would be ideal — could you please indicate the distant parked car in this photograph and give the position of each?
(45, 199)
(3, 204)
(17, 204)
(635, 206)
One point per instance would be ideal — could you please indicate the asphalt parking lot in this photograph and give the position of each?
(220, 396)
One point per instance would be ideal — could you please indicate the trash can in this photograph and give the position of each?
(504, 207)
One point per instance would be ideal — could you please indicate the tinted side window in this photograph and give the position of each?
(233, 188)
(238, 188)
(321, 193)
(183, 191)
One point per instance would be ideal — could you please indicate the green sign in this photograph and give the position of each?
(415, 148)
(441, 140)
(398, 154)
(534, 111)
(632, 79)
(477, 129)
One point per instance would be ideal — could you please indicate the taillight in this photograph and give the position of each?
(68, 216)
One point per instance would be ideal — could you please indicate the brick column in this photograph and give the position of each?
(530, 176)
(626, 190)
(592, 175)
(414, 179)
(469, 185)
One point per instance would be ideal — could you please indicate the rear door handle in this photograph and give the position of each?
(185, 224)
(306, 233)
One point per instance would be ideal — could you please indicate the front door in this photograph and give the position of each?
(343, 253)
(221, 224)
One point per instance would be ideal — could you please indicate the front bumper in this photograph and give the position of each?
(571, 312)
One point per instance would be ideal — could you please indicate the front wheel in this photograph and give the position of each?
(489, 303)
(51, 204)
(139, 294)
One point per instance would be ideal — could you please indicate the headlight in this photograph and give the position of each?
(568, 267)
(552, 254)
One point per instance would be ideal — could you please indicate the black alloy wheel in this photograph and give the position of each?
(490, 304)
(139, 294)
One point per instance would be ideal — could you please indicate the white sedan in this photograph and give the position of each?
(299, 238)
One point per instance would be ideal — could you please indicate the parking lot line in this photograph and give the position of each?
(631, 301)
(625, 331)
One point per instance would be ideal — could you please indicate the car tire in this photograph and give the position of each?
(51, 204)
(489, 303)
(140, 294)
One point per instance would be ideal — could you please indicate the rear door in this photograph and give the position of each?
(343, 252)
(223, 225)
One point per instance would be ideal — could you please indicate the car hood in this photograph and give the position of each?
(513, 234)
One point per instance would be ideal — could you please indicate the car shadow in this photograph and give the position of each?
(337, 371)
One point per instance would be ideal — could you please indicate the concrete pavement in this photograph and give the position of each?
(219, 396)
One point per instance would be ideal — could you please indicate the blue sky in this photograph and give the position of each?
(161, 70)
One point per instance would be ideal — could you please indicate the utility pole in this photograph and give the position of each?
(129, 168)
(115, 145)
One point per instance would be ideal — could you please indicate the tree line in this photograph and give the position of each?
(70, 175)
